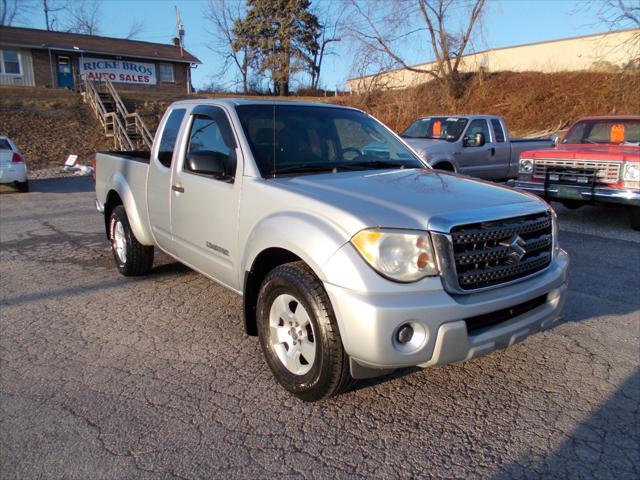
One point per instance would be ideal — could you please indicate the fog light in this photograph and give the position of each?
(405, 334)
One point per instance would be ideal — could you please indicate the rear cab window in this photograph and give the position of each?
(170, 136)
(498, 130)
(4, 144)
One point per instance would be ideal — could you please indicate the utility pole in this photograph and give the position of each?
(180, 32)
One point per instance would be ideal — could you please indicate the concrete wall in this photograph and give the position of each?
(572, 54)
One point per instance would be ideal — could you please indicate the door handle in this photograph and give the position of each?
(176, 188)
(493, 151)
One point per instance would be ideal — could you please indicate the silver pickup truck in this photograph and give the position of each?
(350, 265)
(475, 145)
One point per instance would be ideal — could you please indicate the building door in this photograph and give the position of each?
(65, 72)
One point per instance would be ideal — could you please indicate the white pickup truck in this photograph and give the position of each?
(350, 264)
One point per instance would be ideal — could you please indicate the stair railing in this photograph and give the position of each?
(116, 124)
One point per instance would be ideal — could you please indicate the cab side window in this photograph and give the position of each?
(475, 127)
(211, 149)
(170, 136)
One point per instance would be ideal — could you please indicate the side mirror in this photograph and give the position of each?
(555, 139)
(476, 140)
(207, 163)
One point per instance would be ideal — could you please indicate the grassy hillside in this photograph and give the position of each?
(529, 102)
(47, 125)
(50, 124)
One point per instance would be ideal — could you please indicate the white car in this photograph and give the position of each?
(12, 167)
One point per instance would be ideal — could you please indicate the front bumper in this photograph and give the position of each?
(581, 193)
(369, 321)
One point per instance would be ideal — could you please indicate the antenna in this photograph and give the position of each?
(180, 31)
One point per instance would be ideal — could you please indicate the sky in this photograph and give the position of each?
(506, 23)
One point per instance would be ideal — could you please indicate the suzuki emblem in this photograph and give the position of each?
(515, 247)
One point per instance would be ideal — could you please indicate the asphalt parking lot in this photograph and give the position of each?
(104, 377)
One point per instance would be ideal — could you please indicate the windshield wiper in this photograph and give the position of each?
(371, 164)
(303, 169)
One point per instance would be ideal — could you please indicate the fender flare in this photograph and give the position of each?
(139, 226)
(311, 238)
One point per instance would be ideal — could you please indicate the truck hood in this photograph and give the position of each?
(413, 198)
(587, 152)
(428, 146)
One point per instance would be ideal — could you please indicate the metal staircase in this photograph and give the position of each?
(126, 128)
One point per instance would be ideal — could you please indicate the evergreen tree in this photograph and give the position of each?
(282, 36)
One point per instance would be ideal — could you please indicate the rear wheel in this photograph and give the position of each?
(131, 257)
(299, 334)
(23, 186)
(634, 217)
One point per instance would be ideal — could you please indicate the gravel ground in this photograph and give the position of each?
(104, 377)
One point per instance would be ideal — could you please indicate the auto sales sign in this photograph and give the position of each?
(121, 71)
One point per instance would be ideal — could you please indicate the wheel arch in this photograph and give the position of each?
(266, 261)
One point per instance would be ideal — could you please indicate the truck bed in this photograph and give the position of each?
(143, 156)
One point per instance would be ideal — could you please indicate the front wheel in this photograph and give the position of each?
(299, 334)
(634, 217)
(131, 257)
(572, 204)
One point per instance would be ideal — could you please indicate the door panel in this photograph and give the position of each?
(65, 71)
(159, 181)
(475, 160)
(204, 207)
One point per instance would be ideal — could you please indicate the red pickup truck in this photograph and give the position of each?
(598, 161)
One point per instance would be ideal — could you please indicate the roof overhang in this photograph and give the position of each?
(80, 50)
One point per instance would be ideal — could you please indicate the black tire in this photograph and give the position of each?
(23, 186)
(138, 258)
(329, 373)
(572, 204)
(634, 217)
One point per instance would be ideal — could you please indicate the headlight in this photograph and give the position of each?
(526, 165)
(400, 255)
(631, 172)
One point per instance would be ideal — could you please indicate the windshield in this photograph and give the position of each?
(286, 139)
(437, 128)
(610, 131)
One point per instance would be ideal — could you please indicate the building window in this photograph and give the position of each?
(166, 72)
(10, 62)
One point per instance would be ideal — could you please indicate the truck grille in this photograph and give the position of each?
(491, 253)
(605, 172)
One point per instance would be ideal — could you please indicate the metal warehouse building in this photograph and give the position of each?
(599, 51)
(40, 58)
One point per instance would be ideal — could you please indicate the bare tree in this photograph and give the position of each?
(50, 8)
(331, 24)
(136, 28)
(619, 14)
(223, 15)
(10, 11)
(388, 31)
(84, 17)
